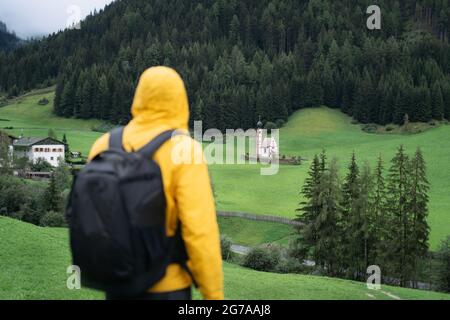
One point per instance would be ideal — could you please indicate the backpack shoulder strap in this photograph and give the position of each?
(149, 150)
(115, 138)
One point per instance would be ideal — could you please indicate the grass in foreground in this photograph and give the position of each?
(33, 263)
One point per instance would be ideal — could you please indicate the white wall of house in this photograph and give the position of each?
(50, 153)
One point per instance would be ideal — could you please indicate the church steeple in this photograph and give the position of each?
(258, 138)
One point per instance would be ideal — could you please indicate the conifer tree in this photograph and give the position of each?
(446, 96)
(381, 216)
(309, 209)
(365, 223)
(329, 198)
(437, 102)
(418, 211)
(350, 213)
(443, 268)
(67, 148)
(400, 227)
(52, 196)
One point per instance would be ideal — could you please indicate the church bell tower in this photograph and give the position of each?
(259, 139)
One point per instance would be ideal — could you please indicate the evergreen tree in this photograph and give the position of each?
(418, 211)
(366, 222)
(309, 210)
(5, 155)
(446, 96)
(327, 233)
(67, 148)
(62, 176)
(437, 102)
(381, 216)
(51, 134)
(400, 227)
(314, 91)
(350, 197)
(52, 196)
(443, 267)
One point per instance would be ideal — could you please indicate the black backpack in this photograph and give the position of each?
(116, 216)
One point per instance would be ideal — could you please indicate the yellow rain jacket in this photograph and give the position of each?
(161, 104)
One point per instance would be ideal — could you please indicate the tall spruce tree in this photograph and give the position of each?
(437, 102)
(350, 217)
(326, 251)
(66, 148)
(366, 222)
(309, 211)
(443, 266)
(400, 227)
(52, 196)
(382, 217)
(418, 211)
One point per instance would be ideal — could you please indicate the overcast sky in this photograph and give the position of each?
(39, 17)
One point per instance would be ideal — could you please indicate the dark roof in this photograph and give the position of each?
(29, 141)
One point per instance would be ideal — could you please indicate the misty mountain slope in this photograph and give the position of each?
(244, 59)
(8, 40)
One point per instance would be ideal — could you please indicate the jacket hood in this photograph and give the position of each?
(161, 100)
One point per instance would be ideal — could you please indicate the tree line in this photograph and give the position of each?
(370, 218)
(244, 59)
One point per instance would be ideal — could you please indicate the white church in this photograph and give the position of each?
(266, 148)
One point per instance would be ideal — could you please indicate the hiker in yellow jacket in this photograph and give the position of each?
(161, 104)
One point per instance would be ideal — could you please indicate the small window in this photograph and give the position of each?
(51, 158)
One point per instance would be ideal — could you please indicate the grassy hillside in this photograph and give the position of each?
(242, 188)
(25, 115)
(33, 264)
(250, 233)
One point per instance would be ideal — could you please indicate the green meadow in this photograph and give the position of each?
(251, 233)
(243, 188)
(34, 264)
(29, 118)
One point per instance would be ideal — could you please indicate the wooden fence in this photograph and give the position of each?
(258, 217)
